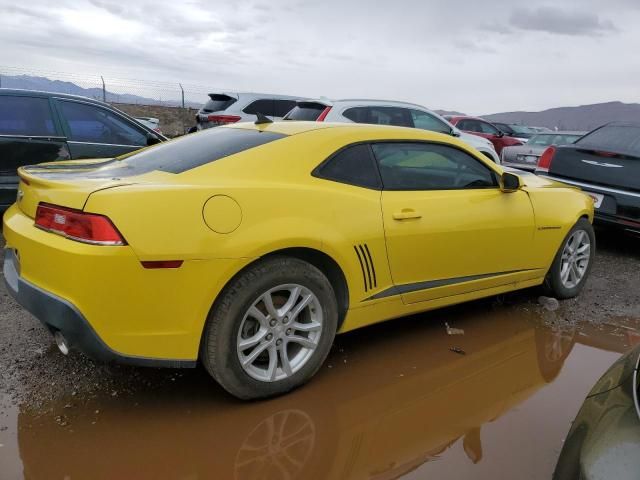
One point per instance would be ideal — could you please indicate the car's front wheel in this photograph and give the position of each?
(573, 262)
(271, 328)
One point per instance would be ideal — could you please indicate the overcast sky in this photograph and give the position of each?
(466, 55)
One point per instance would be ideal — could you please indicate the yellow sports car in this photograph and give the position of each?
(248, 247)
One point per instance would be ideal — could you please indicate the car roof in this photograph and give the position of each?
(293, 127)
(560, 132)
(372, 101)
(621, 123)
(255, 94)
(26, 93)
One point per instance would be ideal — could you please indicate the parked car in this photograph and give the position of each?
(605, 163)
(274, 237)
(384, 112)
(482, 128)
(521, 132)
(604, 439)
(40, 127)
(150, 122)
(231, 107)
(525, 157)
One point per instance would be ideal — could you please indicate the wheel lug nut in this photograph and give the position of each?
(269, 336)
(278, 342)
(273, 322)
(288, 331)
(285, 320)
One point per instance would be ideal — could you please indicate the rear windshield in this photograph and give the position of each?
(176, 156)
(218, 102)
(623, 139)
(306, 111)
(546, 139)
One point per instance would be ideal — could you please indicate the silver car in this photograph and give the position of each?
(525, 157)
(384, 112)
(231, 107)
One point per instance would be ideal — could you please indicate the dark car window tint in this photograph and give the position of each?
(93, 124)
(29, 116)
(488, 128)
(624, 139)
(426, 121)
(306, 111)
(353, 165)
(423, 166)
(282, 107)
(264, 106)
(184, 153)
(400, 117)
(470, 125)
(218, 102)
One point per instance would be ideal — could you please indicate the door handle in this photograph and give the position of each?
(406, 214)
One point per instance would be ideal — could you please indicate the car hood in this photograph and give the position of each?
(529, 179)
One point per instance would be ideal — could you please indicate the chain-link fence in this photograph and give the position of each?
(174, 104)
(106, 88)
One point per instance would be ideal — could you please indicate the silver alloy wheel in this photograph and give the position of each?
(576, 256)
(279, 332)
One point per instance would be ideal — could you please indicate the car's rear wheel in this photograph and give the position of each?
(271, 328)
(573, 262)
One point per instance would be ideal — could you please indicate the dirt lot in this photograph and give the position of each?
(43, 393)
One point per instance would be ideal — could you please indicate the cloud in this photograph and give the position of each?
(558, 21)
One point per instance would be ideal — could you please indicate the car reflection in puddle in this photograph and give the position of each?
(390, 399)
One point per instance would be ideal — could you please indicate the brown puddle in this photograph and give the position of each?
(393, 401)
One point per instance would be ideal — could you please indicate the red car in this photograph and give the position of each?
(482, 128)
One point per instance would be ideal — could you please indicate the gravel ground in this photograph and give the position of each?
(34, 373)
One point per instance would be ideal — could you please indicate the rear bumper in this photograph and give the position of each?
(57, 314)
(619, 208)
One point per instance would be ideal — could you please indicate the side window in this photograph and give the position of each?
(282, 107)
(264, 106)
(426, 121)
(357, 114)
(470, 126)
(353, 165)
(400, 117)
(426, 166)
(30, 116)
(488, 128)
(93, 124)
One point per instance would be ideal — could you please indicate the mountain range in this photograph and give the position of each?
(583, 117)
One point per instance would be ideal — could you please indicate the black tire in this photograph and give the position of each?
(218, 349)
(553, 284)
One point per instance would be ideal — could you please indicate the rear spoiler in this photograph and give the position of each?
(222, 96)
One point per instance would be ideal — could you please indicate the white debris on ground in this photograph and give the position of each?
(549, 303)
(453, 331)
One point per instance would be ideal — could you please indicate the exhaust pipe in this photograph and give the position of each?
(61, 342)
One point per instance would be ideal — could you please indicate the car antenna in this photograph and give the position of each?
(262, 119)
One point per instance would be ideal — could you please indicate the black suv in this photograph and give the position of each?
(38, 127)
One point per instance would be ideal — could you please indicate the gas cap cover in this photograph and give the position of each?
(222, 214)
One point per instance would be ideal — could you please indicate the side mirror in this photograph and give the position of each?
(500, 134)
(455, 132)
(152, 139)
(509, 182)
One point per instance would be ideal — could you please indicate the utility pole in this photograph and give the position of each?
(104, 90)
(182, 90)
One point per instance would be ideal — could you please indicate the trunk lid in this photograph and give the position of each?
(67, 184)
(596, 167)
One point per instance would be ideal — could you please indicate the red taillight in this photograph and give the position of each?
(223, 119)
(544, 163)
(323, 115)
(78, 225)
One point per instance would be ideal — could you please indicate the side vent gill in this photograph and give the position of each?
(367, 267)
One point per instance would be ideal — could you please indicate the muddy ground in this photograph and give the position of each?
(33, 371)
(55, 394)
